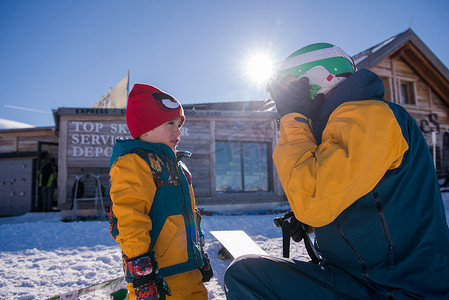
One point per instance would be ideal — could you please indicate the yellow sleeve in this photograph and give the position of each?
(361, 141)
(132, 193)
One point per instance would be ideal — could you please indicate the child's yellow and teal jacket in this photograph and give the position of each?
(153, 206)
(362, 175)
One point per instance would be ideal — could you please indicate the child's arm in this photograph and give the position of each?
(132, 193)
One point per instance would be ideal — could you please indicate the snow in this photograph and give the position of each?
(40, 256)
(358, 58)
(10, 124)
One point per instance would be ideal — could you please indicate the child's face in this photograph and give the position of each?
(167, 133)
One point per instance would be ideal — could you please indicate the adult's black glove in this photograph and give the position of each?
(292, 95)
(144, 274)
(292, 227)
(296, 229)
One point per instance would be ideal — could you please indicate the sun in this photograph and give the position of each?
(259, 68)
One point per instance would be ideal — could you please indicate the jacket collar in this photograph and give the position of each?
(361, 85)
(123, 146)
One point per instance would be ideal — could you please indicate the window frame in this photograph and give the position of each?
(409, 97)
(242, 167)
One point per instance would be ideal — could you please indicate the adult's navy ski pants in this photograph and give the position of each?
(266, 277)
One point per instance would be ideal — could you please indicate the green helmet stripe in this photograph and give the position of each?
(335, 65)
(310, 48)
(316, 57)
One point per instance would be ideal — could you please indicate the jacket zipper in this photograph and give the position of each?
(359, 257)
(194, 241)
(362, 262)
(383, 222)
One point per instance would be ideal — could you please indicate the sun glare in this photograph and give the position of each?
(260, 68)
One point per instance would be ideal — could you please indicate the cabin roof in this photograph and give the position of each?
(410, 48)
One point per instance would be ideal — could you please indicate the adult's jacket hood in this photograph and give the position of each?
(361, 85)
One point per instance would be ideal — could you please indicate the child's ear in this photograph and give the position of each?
(141, 136)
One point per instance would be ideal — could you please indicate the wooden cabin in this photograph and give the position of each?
(231, 143)
(416, 79)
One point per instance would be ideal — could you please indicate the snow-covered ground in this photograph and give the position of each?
(40, 256)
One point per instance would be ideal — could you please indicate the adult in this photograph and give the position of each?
(357, 169)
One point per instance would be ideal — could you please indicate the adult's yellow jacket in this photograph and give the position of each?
(362, 175)
(153, 206)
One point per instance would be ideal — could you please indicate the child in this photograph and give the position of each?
(153, 214)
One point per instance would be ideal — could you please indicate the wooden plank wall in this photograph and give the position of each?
(26, 140)
(196, 138)
(429, 109)
(85, 146)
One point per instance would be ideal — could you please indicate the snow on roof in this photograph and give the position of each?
(10, 124)
(358, 58)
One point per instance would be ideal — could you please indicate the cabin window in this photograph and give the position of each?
(241, 166)
(406, 93)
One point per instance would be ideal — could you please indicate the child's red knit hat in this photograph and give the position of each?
(148, 107)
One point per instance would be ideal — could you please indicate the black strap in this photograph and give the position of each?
(286, 227)
(139, 281)
(285, 239)
(309, 247)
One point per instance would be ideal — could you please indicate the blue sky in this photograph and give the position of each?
(61, 53)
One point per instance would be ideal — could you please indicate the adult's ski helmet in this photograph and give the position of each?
(325, 65)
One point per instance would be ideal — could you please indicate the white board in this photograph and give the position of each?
(237, 242)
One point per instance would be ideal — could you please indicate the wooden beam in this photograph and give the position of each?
(426, 71)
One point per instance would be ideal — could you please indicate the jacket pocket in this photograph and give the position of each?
(171, 244)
